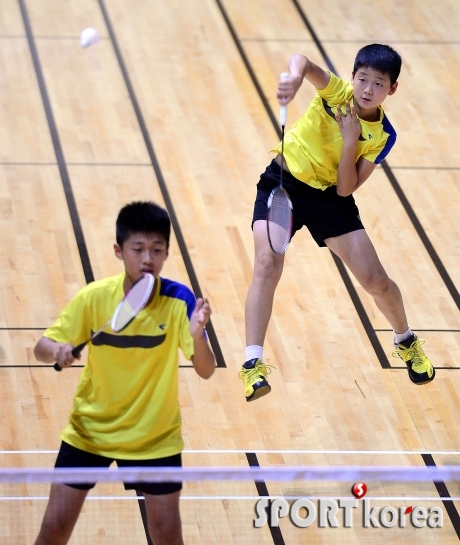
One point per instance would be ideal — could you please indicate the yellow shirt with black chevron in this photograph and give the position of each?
(126, 404)
(313, 146)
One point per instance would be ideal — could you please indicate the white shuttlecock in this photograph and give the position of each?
(89, 36)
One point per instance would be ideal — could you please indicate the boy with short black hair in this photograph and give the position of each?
(328, 154)
(126, 407)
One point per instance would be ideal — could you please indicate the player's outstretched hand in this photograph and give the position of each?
(200, 317)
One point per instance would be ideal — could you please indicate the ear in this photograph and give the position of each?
(118, 251)
(393, 88)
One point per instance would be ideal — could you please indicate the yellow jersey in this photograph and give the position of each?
(313, 146)
(126, 404)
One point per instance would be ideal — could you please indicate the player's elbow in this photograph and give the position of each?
(347, 188)
(204, 366)
(207, 373)
(341, 192)
(39, 350)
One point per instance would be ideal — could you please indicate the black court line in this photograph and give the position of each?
(440, 368)
(332, 41)
(74, 366)
(444, 493)
(422, 235)
(432, 330)
(75, 218)
(142, 509)
(262, 490)
(220, 362)
(25, 163)
(247, 65)
(423, 168)
(22, 328)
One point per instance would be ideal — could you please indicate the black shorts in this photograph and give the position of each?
(324, 213)
(72, 457)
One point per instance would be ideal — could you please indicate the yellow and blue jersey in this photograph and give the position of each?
(313, 146)
(127, 400)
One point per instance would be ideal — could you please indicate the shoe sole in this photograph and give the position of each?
(260, 392)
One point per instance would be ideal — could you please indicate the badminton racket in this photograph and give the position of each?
(279, 206)
(129, 307)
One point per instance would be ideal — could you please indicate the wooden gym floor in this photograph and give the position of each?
(176, 104)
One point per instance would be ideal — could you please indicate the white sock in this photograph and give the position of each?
(254, 351)
(400, 337)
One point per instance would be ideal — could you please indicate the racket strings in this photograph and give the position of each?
(279, 220)
(133, 303)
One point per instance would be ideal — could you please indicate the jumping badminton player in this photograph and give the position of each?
(126, 406)
(328, 154)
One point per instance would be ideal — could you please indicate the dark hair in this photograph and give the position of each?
(382, 58)
(142, 217)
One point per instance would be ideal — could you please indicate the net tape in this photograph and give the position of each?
(193, 474)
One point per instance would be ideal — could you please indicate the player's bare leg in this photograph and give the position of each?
(357, 252)
(163, 517)
(268, 268)
(61, 514)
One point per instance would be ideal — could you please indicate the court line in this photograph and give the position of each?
(275, 451)
(240, 498)
(58, 150)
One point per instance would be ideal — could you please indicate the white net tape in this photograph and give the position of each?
(193, 474)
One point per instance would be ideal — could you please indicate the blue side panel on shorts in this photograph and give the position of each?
(388, 128)
(171, 288)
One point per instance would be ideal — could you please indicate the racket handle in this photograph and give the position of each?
(283, 109)
(76, 351)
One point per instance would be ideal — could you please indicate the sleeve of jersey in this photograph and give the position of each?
(390, 141)
(186, 339)
(184, 307)
(71, 324)
(336, 91)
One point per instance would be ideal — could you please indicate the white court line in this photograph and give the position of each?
(273, 451)
(256, 498)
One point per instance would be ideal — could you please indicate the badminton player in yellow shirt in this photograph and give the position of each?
(328, 154)
(126, 406)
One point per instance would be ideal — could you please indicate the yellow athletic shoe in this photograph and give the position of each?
(419, 367)
(254, 375)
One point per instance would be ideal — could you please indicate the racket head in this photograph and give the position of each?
(133, 302)
(279, 220)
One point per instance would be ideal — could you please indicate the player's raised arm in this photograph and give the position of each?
(300, 68)
(203, 359)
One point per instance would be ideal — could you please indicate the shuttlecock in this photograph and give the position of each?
(89, 36)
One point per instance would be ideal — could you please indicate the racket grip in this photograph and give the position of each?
(283, 109)
(76, 351)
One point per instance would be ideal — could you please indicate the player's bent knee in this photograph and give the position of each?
(166, 529)
(268, 266)
(377, 284)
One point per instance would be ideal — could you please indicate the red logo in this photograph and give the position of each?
(359, 490)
